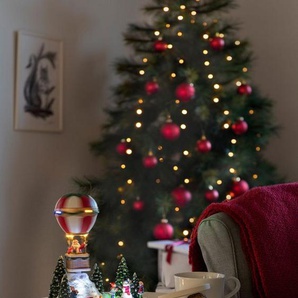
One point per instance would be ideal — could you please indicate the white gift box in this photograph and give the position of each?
(170, 263)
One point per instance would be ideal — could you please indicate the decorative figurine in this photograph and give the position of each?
(126, 293)
(113, 289)
(73, 292)
(141, 289)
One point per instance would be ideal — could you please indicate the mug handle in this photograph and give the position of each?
(237, 286)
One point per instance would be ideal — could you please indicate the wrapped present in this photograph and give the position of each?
(172, 259)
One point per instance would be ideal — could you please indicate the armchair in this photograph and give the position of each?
(254, 238)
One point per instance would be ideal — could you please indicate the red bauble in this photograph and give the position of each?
(217, 43)
(185, 92)
(121, 148)
(244, 89)
(211, 195)
(239, 187)
(160, 46)
(170, 131)
(151, 87)
(239, 127)
(138, 205)
(181, 196)
(150, 161)
(203, 145)
(163, 230)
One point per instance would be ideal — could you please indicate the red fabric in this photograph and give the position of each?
(268, 220)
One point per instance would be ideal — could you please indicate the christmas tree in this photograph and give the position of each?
(58, 274)
(64, 291)
(186, 127)
(122, 275)
(96, 278)
(135, 285)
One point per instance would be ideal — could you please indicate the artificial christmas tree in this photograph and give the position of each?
(135, 286)
(186, 97)
(122, 275)
(64, 291)
(96, 278)
(58, 274)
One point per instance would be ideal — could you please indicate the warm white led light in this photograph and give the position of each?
(166, 9)
(128, 151)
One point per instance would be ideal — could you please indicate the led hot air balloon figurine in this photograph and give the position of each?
(76, 215)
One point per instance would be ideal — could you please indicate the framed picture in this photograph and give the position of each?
(38, 87)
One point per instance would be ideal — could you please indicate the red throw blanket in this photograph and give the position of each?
(268, 220)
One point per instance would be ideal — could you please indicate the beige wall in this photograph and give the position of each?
(36, 168)
(271, 27)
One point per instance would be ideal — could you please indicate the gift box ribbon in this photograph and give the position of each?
(169, 248)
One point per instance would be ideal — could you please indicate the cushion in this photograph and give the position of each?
(219, 240)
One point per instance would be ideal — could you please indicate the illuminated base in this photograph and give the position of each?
(77, 262)
(82, 284)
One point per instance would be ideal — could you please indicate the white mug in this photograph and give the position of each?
(217, 281)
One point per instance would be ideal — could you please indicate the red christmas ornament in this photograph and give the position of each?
(185, 92)
(151, 87)
(203, 145)
(138, 205)
(239, 187)
(160, 46)
(121, 148)
(211, 195)
(163, 230)
(240, 127)
(181, 196)
(244, 89)
(217, 43)
(170, 131)
(150, 161)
